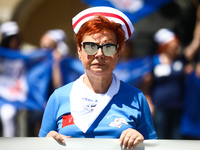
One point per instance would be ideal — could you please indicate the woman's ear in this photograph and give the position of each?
(119, 51)
(79, 51)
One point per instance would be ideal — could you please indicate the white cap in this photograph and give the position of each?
(59, 37)
(164, 36)
(110, 13)
(9, 28)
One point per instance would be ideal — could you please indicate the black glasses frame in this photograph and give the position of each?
(100, 46)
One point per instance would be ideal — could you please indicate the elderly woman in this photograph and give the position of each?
(98, 104)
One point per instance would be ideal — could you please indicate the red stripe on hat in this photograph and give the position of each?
(67, 120)
(107, 15)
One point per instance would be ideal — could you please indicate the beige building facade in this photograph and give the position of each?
(37, 16)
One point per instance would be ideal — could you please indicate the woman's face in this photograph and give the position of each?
(47, 42)
(174, 49)
(99, 64)
(15, 42)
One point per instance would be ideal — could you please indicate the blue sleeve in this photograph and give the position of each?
(146, 126)
(49, 117)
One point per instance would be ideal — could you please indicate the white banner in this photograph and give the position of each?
(19, 143)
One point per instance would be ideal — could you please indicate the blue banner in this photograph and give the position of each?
(133, 70)
(130, 71)
(134, 9)
(71, 69)
(190, 125)
(24, 78)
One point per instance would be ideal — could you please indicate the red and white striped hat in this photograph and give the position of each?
(110, 13)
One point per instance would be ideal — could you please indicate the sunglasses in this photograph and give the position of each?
(107, 49)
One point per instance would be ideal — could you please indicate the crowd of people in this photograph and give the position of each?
(160, 102)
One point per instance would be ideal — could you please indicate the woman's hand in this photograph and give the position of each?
(130, 138)
(58, 137)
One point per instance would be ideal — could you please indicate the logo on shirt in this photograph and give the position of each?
(89, 104)
(118, 122)
(67, 120)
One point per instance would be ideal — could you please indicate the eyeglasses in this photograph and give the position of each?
(107, 49)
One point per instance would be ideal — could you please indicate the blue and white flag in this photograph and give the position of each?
(24, 78)
(130, 71)
(133, 70)
(134, 9)
(71, 69)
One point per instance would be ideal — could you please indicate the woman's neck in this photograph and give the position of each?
(165, 59)
(98, 84)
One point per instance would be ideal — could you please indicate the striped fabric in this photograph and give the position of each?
(110, 13)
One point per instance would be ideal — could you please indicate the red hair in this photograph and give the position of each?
(100, 24)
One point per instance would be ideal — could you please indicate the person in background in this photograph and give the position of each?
(195, 43)
(167, 84)
(52, 40)
(10, 39)
(10, 36)
(190, 120)
(55, 40)
(98, 104)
